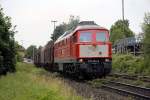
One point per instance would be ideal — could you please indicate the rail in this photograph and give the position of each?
(126, 89)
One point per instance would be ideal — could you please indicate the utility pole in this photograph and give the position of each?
(54, 21)
(124, 47)
(123, 10)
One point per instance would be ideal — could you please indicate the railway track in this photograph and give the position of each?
(131, 77)
(108, 90)
(83, 88)
(139, 93)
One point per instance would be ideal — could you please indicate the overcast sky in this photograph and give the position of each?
(33, 17)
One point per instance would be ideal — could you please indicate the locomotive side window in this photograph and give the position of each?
(101, 37)
(85, 37)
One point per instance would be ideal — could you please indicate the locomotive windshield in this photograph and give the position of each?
(101, 37)
(85, 37)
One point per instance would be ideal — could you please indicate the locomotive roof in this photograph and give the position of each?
(78, 28)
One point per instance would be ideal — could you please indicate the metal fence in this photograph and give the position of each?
(129, 45)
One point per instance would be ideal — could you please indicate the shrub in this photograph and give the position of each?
(19, 57)
(127, 63)
(7, 47)
(1, 64)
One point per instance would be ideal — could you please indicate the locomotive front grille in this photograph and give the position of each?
(93, 51)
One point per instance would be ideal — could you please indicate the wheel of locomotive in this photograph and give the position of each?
(80, 76)
(107, 69)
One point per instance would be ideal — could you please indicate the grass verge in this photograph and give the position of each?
(31, 83)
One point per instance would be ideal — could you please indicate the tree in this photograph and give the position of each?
(30, 51)
(120, 30)
(58, 31)
(7, 44)
(20, 52)
(146, 30)
(73, 22)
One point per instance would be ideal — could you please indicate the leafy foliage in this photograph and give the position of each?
(7, 44)
(129, 64)
(30, 50)
(1, 63)
(146, 30)
(58, 31)
(120, 30)
(20, 52)
(73, 22)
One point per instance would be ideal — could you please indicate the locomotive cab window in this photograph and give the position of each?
(85, 37)
(101, 37)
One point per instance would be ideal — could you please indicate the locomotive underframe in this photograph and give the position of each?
(86, 69)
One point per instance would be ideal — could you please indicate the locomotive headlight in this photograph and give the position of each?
(100, 53)
(107, 60)
(80, 60)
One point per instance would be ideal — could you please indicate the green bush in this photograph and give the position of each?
(127, 63)
(1, 64)
(7, 44)
(1, 60)
(19, 57)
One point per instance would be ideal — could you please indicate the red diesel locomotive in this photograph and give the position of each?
(85, 51)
